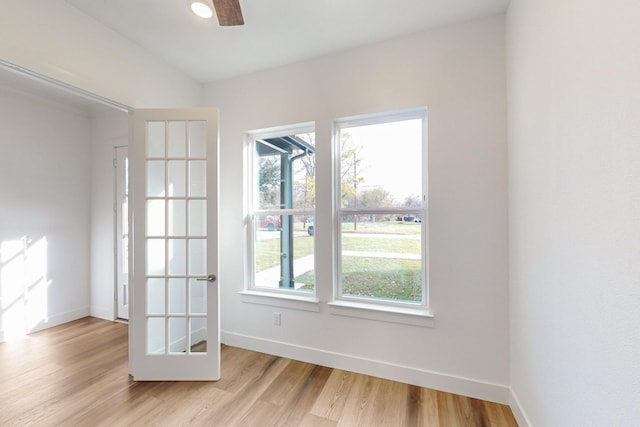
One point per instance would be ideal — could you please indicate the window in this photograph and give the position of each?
(281, 210)
(381, 209)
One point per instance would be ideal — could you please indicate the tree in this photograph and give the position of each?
(376, 197)
(351, 172)
(269, 184)
(305, 177)
(412, 201)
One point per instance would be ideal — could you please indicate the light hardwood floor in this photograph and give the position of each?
(76, 374)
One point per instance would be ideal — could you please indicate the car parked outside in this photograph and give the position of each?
(409, 219)
(271, 223)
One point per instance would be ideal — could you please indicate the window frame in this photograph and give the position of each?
(343, 304)
(253, 293)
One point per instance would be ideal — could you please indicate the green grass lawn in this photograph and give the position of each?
(388, 227)
(372, 244)
(394, 279)
(268, 250)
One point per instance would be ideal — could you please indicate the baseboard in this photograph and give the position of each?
(61, 318)
(516, 408)
(420, 377)
(49, 322)
(102, 313)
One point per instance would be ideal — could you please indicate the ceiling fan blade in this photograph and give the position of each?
(228, 12)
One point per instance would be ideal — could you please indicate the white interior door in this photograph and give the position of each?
(121, 205)
(174, 326)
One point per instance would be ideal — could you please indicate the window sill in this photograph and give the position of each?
(406, 316)
(294, 302)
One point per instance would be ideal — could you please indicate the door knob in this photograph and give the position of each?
(209, 278)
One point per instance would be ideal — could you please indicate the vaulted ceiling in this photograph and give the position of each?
(276, 32)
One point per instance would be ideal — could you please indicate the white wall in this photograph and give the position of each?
(574, 211)
(107, 131)
(44, 198)
(459, 74)
(55, 39)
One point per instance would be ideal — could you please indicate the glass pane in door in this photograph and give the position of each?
(176, 178)
(197, 297)
(155, 139)
(177, 139)
(198, 332)
(197, 139)
(176, 252)
(155, 335)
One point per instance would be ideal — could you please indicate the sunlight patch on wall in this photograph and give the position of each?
(23, 286)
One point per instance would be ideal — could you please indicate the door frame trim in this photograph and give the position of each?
(116, 206)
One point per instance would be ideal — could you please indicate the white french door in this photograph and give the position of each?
(174, 327)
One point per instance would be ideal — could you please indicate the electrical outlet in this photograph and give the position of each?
(277, 318)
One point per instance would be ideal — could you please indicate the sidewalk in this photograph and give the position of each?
(270, 277)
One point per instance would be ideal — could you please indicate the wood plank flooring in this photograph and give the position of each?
(76, 374)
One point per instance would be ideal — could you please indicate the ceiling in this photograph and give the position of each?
(276, 32)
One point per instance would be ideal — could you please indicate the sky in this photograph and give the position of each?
(391, 156)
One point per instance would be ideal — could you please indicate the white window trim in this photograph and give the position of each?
(383, 312)
(257, 295)
(282, 299)
(387, 310)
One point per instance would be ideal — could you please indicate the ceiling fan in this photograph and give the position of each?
(227, 11)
